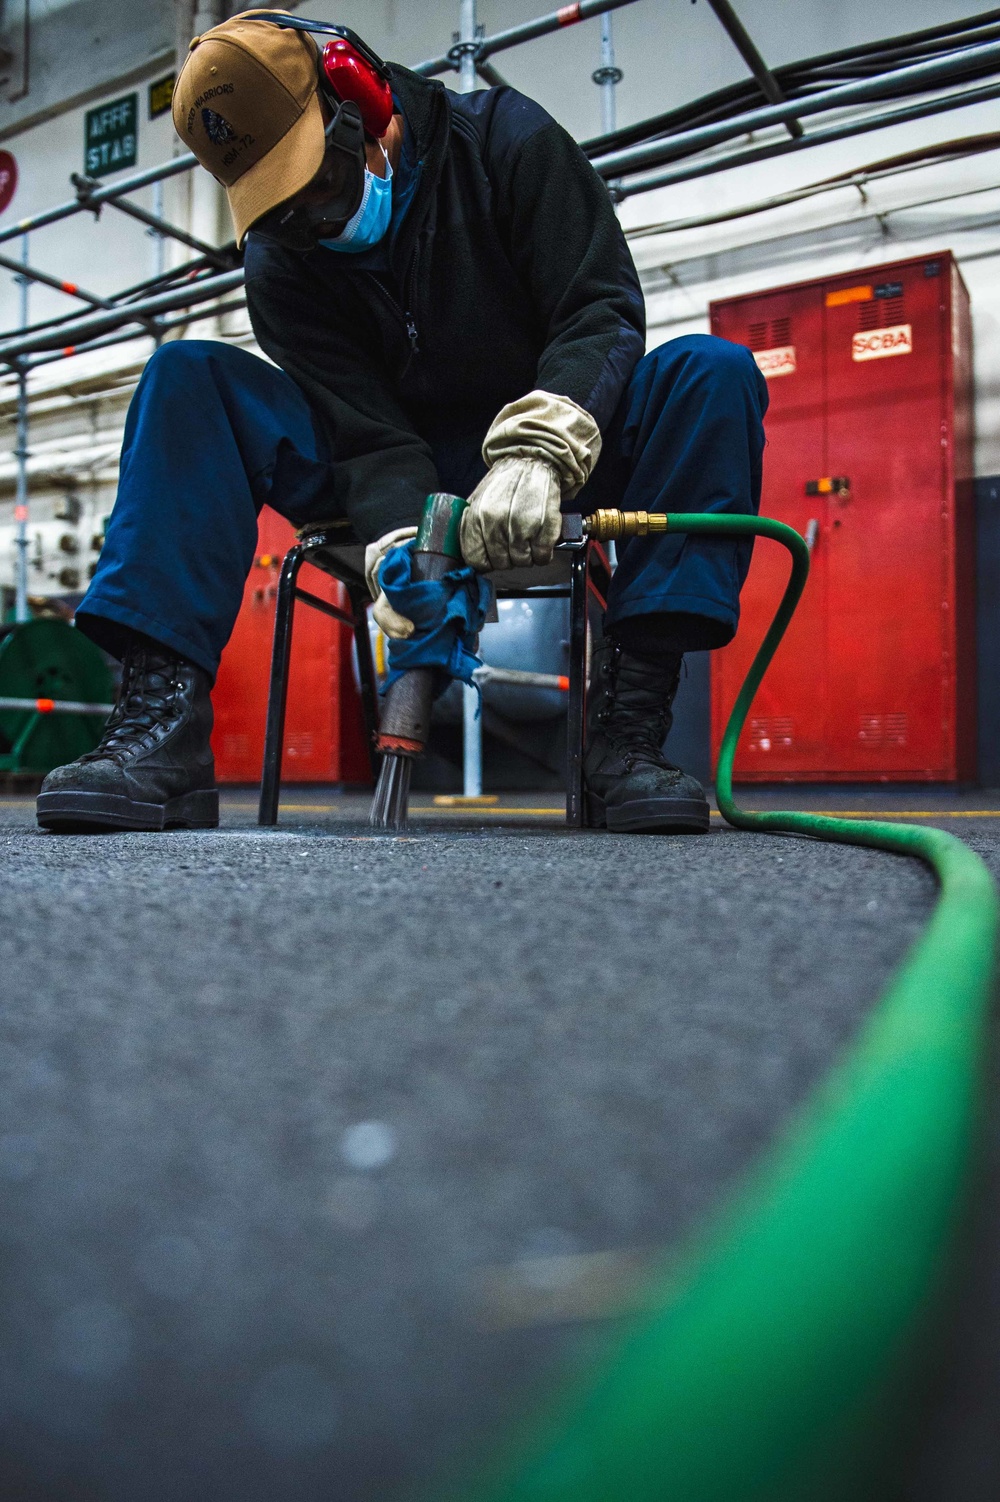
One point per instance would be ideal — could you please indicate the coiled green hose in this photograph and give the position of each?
(781, 1356)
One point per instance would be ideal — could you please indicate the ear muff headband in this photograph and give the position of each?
(348, 66)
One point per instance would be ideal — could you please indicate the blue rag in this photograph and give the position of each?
(448, 615)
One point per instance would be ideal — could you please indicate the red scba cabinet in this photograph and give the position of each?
(869, 454)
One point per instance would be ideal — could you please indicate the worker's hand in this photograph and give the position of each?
(396, 626)
(513, 516)
(541, 450)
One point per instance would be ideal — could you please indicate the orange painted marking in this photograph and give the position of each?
(849, 294)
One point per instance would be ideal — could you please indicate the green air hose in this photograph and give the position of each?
(778, 1356)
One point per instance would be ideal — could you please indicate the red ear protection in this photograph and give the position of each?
(352, 77)
(348, 67)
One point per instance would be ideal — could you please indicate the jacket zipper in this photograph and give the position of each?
(406, 318)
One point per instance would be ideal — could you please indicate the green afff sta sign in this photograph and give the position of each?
(111, 136)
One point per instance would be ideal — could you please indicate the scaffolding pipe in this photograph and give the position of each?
(101, 195)
(860, 178)
(151, 284)
(806, 75)
(160, 226)
(21, 611)
(743, 42)
(70, 288)
(607, 77)
(158, 236)
(93, 325)
(919, 111)
(466, 45)
(566, 15)
(162, 326)
(173, 274)
(686, 143)
(127, 299)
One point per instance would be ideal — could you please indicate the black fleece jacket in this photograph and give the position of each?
(509, 273)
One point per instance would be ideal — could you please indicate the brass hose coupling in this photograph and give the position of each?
(610, 522)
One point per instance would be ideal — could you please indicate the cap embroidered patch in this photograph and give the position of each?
(217, 129)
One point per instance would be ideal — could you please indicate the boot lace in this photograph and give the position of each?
(148, 700)
(636, 731)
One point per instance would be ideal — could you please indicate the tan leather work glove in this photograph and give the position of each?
(396, 626)
(541, 450)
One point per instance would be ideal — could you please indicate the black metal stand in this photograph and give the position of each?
(307, 551)
(590, 575)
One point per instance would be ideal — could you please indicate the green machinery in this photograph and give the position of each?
(55, 694)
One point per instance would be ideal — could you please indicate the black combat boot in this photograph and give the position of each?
(629, 784)
(154, 767)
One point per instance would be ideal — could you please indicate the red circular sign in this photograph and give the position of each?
(8, 179)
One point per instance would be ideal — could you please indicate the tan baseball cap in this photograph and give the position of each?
(247, 104)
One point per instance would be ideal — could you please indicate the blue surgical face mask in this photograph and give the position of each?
(370, 222)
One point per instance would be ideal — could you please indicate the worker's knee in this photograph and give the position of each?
(183, 364)
(706, 359)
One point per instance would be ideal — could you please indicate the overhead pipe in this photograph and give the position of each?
(860, 178)
(187, 272)
(466, 46)
(161, 327)
(743, 42)
(45, 280)
(514, 36)
(557, 20)
(919, 111)
(607, 77)
(87, 189)
(92, 325)
(797, 77)
(686, 143)
(101, 195)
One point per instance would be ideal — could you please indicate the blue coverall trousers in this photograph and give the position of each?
(214, 433)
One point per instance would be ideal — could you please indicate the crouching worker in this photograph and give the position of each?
(450, 305)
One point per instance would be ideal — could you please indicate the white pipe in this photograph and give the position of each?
(520, 679)
(472, 743)
(57, 706)
(610, 77)
(159, 240)
(467, 80)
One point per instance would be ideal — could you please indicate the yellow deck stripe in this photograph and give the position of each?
(502, 809)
